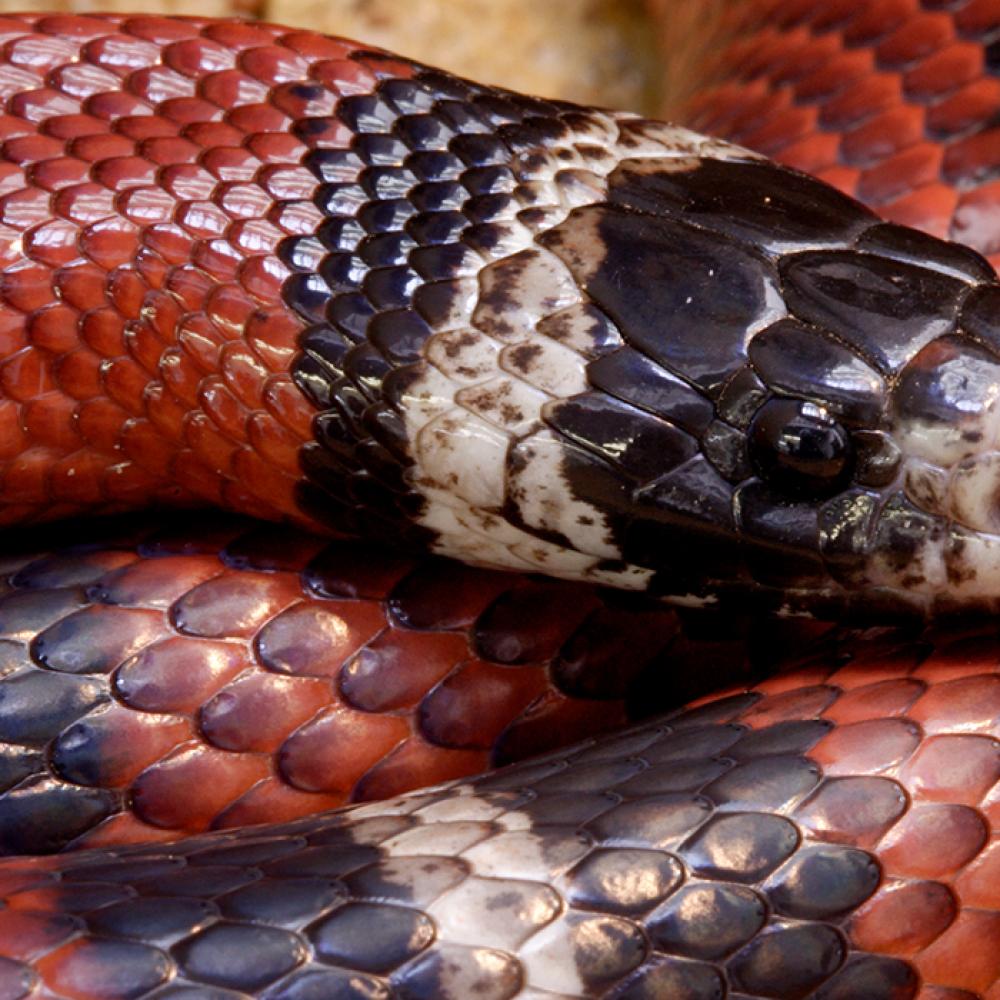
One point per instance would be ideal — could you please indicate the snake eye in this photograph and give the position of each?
(797, 448)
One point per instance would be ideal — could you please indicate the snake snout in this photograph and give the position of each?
(946, 416)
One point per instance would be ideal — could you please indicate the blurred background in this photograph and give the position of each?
(605, 52)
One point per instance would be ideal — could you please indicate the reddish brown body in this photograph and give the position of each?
(894, 753)
(241, 675)
(145, 344)
(145, 359)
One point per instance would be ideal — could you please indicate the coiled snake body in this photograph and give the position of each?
(275, 272)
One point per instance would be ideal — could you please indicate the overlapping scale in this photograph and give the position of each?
(824, 833)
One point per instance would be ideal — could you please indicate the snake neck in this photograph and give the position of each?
(331, 285)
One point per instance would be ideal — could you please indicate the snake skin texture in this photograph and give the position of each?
(893, 101)
(280, 674)
(355, 225)
(300, 280)
(825, 834)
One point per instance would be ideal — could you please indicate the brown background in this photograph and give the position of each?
(603, 52)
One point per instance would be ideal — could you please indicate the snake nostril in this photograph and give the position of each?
(797, 448)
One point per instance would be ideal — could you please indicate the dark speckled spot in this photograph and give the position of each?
(415, 880)
(371, 937)
(949, 383)
(788, 962)
(707, 920)
(584, 327)
(240, 956)
(451, 972)
(624, 881)
(743, 847)
(824, 881)
(605, 948)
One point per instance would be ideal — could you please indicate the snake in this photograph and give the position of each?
(643, 384)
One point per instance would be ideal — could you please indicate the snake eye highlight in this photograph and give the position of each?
(798, 449)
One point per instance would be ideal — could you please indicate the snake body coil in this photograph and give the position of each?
(278, 273)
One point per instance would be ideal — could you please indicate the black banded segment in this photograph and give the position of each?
(885, 309)
(384, 268)
(789, 961)
(642, 446)
(634, 378)
(708, 920)
(684, 297)
(753, 201)
(823, 882)
(915, 247)
(799, 360)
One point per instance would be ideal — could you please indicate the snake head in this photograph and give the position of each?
(608, 349)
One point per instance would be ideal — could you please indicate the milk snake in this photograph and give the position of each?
(301, 281)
